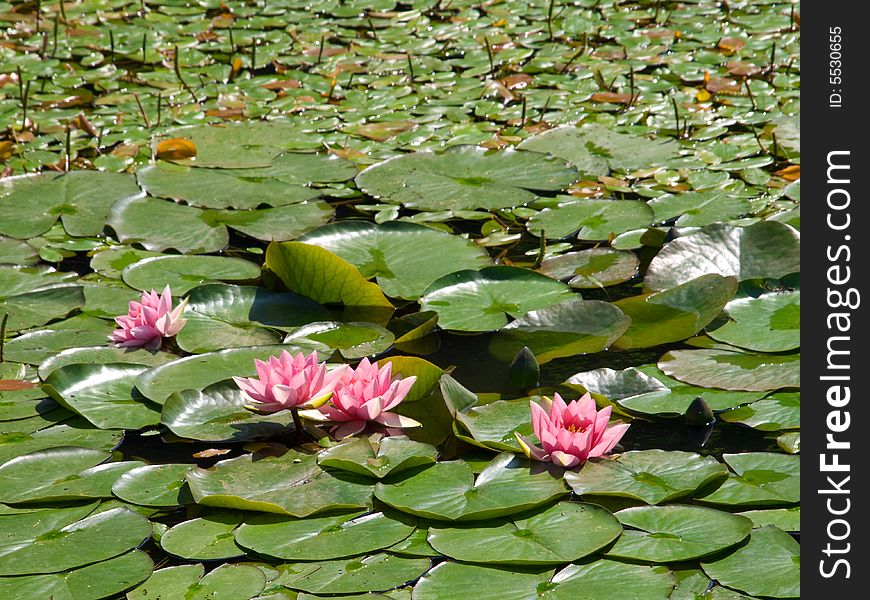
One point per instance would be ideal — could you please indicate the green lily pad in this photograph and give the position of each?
(646, 390)
(228, 582)
(183, 273)
(220, 188)
(593, 148)
(291, 484)
(217, 413)
(110, 261)
(197, 372)
(182, 228)
(478, 300)
(758, 479)
(593, 268)
(733, 370)
(15, 252)
(324, 538)
(653, 476)
(493, 425)
(769, 323)
(790, 442)
(205, 538)
(563, 533)
(366, 457)
(75, 432)
(672, 533)
(449, 491)
(415, 544)
(57, 474)
(694, 584)
(40, 306)
(101, 355)
(22, 404)
(566, 329)
(104, 579)
(404, 257)
(769, 565)
(465, 178)
(36, 346)
(56, 540)
(352, 340)
(103, 394)
(428, 375)
(766, 249)
(225, 316)
(774, 413)
(326, 278)
(30, 205)
(696, 209)
(611, 579)
(154, 485)
(377, 572)
(275, 224)
(674, 314)
(595, 219)
(787, 519)
(452, 581)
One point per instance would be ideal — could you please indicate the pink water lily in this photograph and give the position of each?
(149, 320)
(571, 433)
(290, 382)
(363, 395)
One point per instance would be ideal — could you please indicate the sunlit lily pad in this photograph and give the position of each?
(595, 219)
(774, 413)
(478, 300)
(353, 340)
(324, 538)
(30, 205)
(653, 476)
(404, 257)
(449, 490)
(217, 413)
(42, 305)
(465, 178)
(566, 329)
(593, 268)
(233, 581)
(390, 455)
(291, 484)
(377, 572)
(674, 314)
(209, 537)
(183, 273)
(693, 584)
(769, 565)
(24, 403)
(99, 355)
(758, 479)
(182, 228)
(74, 433)
(672, 533)
(696, 209)
(493, 425)
(769, 323)
(563, 533)
(36, 346)
(733, 370)
(154, 485)
(765, 249)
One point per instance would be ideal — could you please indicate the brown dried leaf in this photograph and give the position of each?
(611, 97)
(14, 385)
(175, 149)
(790, 173)
(382, 131)
(731, 44)
(210, 452)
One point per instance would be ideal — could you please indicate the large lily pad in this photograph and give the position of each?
(228, 581)
(326, 278)
(30, 205)
(493, 425)
(74, 432)
(183, 228)
(209, 537)
(672, 533)
(674, 314)
(653, 476)
(478, 300)
(324, 538)
(57, 474)
(291, 484)
(563, 533)
(696, 209)
(765, 249)
(769, 323)
(183, 273)
(595, 219)
(35, 346)
(592, 268)
(465, 178)
(217, 413)
(25, 403)
(374, 573)
(42, 305)
(449, 490)
(352, 340)
(593, 148)
(566, 329)
(154, 485)
(733, 370)
(774, 413)
(769, 565)
(758, 479)
(404, 257)
(100, 355)
(378, 459)
(452, 581)
(56, 540)
(103, 394)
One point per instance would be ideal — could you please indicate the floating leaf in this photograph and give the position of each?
(175, 149)
(769, 565)
(595, 219)
(493, 425)
(230, 581)
(352, 340)
(183, 273)
(377, 572)
(768, 323)
(205, 538)
(733, 370)
(759, 479)
(154, 485)
(365, 457)
(593, 268)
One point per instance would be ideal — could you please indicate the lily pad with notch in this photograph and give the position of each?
(370, 458)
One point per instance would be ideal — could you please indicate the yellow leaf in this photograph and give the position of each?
(176, 149)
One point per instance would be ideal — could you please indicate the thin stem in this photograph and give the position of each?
(142, 110)
(297, 425)
(489, 54)
(3, 334)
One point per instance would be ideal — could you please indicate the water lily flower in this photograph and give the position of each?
(149, 320)
(366, 394)
(290, 382)
(571, 433)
